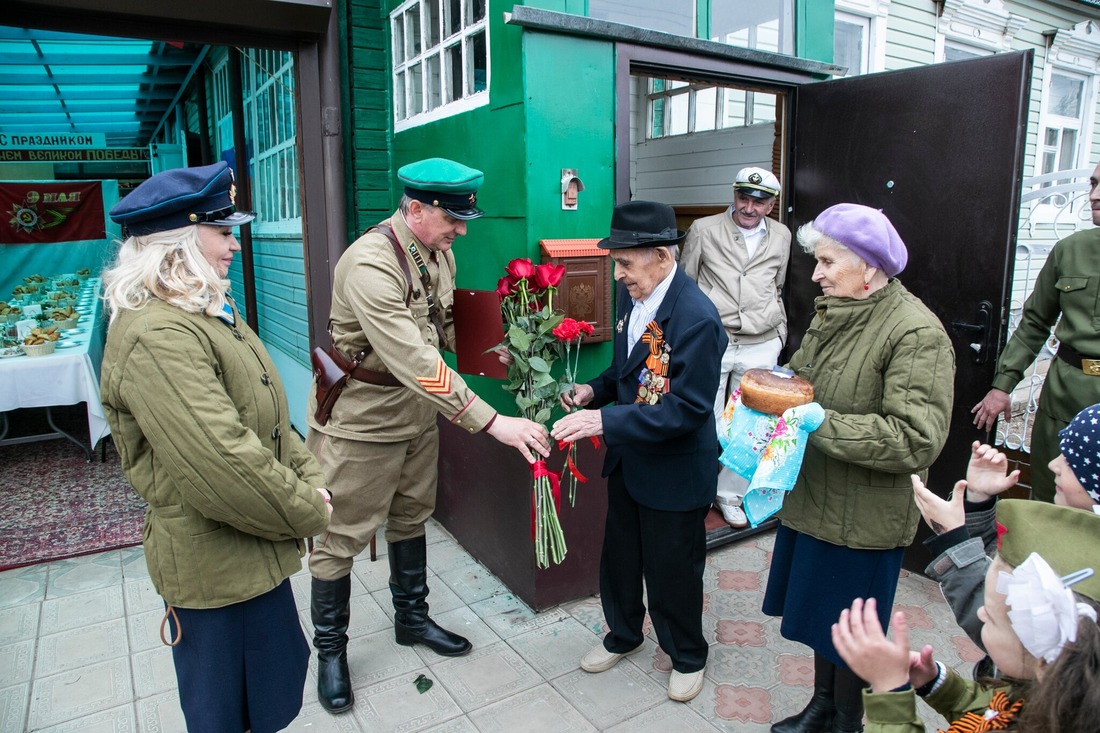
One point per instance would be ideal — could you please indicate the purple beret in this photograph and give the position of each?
(868, 233)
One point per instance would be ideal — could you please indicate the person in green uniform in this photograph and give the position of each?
(1066, 299)
(392, 293)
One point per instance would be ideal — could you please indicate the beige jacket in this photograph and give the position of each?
(745, 291)
(368, 309)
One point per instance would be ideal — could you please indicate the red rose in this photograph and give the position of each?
(568, 330)
(548, 276)
(520, 268)
(586, 328)
(505, 287)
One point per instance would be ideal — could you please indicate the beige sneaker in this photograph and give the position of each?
(683, 687)
(601, 660)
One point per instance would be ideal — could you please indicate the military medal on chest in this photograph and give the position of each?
(653, 380)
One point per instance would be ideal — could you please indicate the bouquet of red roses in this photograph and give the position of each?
(527, 304)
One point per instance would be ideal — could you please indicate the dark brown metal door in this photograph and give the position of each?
(940, 150)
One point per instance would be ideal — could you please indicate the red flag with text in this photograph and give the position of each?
(51, 212)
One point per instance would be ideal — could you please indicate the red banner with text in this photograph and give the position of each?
(51, 212)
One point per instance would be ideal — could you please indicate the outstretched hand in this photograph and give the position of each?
(995, 404)
(942, 515)
(864, 647)
(987, 473)
(526, 436)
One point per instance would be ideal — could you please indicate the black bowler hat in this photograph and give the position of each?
(642, 224)
(180, 197)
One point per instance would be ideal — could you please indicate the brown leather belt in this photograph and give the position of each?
(1086, 364)
(382, 379)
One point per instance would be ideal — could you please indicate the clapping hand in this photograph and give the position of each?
(864, 647)
(987, 473)
(942, 515)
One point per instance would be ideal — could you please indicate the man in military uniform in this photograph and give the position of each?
(1067, 294)
(739, 259)
(391, 311)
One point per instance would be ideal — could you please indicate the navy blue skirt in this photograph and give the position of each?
(241, 667)
(811, 582)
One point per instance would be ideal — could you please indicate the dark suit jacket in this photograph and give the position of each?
(667, 451)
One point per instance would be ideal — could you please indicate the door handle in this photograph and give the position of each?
(979, 333)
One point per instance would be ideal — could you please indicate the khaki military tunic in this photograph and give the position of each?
(380, 447)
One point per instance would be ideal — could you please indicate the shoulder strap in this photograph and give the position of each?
(422, 270)
(387, 230)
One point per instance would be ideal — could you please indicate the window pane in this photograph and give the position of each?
(848, 46)
(412, 32)
(416, 91)
(658, 116)
(433, 22)
(435, 83)
(1065, 96)
(454, 66)
(454, 16)
(705, 103)
(658, 85)
(1068, 153)
(766, 25)
(399, 97)
(475, 11)
(398, 40)
(1048, 162)
(763, 107)
(479, 66)
(678, 117)
(669, 16)
(734, 108)
(1051, 136)
(955, 53)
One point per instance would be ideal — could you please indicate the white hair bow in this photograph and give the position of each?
(1042, 608)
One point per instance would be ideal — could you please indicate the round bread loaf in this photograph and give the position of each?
(774, 392)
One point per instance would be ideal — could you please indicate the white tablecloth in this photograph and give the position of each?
(67, 376)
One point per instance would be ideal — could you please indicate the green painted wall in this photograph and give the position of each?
(813, 30)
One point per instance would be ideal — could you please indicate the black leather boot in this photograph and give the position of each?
(817, 717)
(409, 586)
(329, 606)
(848, 695)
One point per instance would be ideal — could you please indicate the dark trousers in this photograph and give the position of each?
(668, 550)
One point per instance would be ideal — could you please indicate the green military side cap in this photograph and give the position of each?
(1068, 539)
(444, 183)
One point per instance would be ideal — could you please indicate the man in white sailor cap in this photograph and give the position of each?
(739, 259)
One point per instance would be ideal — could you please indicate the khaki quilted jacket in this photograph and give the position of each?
(199, 416)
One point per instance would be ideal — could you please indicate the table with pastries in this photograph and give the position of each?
(67, 376)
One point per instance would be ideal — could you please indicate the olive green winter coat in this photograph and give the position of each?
(199, 416)
(884, 370)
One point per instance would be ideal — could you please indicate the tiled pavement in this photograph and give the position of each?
(80, 651)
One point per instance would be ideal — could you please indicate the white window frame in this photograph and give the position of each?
(981, 27)
(864, 24)
(1074, 53)
(401, 63)
(874, 14)
(690, 92)
(276, 183)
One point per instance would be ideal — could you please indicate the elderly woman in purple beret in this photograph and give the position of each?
(883, 368)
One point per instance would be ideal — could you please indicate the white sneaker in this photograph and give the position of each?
(733, 514)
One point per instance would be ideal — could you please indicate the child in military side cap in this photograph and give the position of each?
(1039, 626)
(965, 528)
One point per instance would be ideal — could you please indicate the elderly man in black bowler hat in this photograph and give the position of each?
(391, 314)
(653, 406)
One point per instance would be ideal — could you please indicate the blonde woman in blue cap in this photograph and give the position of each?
(883, 368)
(1039, 625)
(199, 416)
